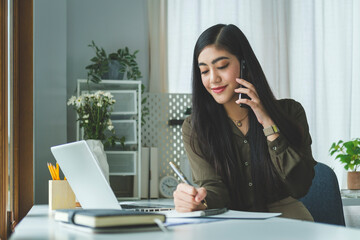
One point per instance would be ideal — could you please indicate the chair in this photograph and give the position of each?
(324, 199)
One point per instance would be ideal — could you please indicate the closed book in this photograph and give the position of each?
(120, 229)
(145, 169)
(100, 218)
(154, 169)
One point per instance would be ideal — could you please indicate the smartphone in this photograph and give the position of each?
(243, 73)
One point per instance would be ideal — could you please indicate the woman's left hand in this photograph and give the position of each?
(255, 103)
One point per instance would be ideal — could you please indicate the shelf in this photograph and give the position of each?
(122, 163)
(126, 103)
(126, 128)
(126, 118)
(109, 85)
(175, 122)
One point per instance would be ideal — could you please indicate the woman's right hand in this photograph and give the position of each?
(188, 198)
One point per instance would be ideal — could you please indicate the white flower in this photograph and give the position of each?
(86, 95)
(87, 103)
(99, 94)
(108, 95)
(71, 101)
(79, 101)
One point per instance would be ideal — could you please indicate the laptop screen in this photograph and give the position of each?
(84, 175)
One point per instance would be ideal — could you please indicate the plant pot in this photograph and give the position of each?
(114, 71)
(97, 148)
(353, 180)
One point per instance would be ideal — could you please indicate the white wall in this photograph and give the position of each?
(112, 24)
(62, 31)
(49, 88)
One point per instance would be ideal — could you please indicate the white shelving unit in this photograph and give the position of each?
(124, 164)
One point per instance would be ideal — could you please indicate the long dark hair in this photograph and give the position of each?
(213, 132)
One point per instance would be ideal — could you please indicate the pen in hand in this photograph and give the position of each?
(184, 180)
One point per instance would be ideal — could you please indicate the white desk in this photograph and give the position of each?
(38, 225)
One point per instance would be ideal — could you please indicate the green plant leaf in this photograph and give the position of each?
(357, 151)
(351, 166)
(113, 56)
(332, 152)
(332, 146)
(344, 158)
(349, 144)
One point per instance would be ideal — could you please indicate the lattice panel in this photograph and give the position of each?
(157, 133)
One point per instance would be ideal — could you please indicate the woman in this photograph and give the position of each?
(250, 153)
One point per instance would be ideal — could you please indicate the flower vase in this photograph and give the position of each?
(97, 148)
(114, 71)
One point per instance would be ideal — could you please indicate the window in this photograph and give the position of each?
(16, 138)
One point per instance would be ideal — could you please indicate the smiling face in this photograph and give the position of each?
(219, 69)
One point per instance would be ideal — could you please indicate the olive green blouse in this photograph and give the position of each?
(295, 172)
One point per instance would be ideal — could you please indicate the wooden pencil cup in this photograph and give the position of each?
(61, 196)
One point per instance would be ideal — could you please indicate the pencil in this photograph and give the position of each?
(49, 167)
(54, 171)
(57, 171)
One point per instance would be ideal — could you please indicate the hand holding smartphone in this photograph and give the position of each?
(243, 70)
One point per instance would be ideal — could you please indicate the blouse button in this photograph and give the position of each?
(245, 141)
(246, 164)
(250, 184)
(274, 148)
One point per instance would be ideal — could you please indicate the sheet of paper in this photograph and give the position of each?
(180, 221)
(175, 214)
(231, 214)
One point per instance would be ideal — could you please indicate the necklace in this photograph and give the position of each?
(238, 123)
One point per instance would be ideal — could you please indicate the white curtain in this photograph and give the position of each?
(309, 51)
(324, 67)
(262, 21)
(157, 15)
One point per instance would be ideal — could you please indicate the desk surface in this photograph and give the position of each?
(39, 225)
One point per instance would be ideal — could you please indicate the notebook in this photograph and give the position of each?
(87, 180)
(97, 218)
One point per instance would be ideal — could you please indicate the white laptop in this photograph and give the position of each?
(88, 181)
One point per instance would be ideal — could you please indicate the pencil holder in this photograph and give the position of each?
(61, 196)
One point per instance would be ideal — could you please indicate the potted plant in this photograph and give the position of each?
(348, 153)
(113, 66)
(94, 112)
